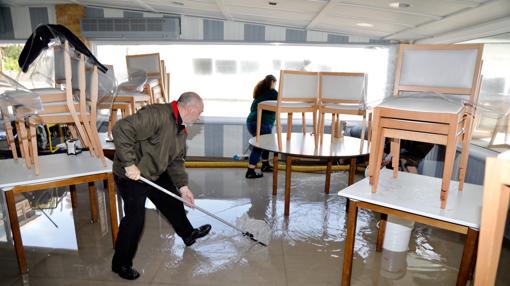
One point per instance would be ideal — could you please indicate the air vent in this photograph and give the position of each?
(131, 28)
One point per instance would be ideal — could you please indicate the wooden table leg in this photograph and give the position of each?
(467, 257)
(275, 173)
(93, 201)
(328, 175)
(74, 200)
(349, 242)
(380, 232)
(288, 175)
(16, 233)
(112, 204)
(352, 171)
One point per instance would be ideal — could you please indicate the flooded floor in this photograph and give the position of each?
(64, 248)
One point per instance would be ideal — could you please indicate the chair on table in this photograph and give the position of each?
(151, 64)
(60, 107)
(438, 77)
(341, 93)
(297, 93)
(129, 97)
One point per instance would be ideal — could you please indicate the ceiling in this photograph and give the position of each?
(423, 20)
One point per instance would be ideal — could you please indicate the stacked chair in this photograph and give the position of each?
(435, 95)
(157, 78)
(75, 107)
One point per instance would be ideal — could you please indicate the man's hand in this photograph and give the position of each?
(132, 172)
(187, 195)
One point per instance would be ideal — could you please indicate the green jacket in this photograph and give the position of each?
(150, 139)
(268, 117)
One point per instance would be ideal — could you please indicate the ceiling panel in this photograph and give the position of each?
(349, 23)
(482, 14)
(423, 19)
(377, 15)
(431, 7)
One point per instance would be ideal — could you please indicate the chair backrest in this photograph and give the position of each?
(448, 69)
(342, 87)
(150, 63)
(298, 86)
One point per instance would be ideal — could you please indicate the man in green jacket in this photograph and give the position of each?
(152, 143)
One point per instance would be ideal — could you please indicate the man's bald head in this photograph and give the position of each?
(190, 106)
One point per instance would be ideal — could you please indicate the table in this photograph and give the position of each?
(415, 197)
(303, 146)
(56, 171)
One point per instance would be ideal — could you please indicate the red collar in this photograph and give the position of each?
(178, 118)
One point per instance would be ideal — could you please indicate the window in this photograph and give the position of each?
(225, 74)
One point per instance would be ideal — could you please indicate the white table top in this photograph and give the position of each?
(419, 195)
(53, 168)
(304, 145)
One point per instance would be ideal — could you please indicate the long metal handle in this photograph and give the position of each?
(196, 207)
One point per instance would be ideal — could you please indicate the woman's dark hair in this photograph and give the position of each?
(263, 85)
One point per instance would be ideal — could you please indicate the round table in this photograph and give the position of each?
(302, 146)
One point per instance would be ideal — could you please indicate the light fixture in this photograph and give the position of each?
(272, 3)
(399, 5)
(368, 25)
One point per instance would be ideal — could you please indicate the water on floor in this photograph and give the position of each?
(305, 249)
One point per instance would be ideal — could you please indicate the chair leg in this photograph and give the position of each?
(466, 138)
(363, 128)
(377, 167)
(33, 142)
(303, 123)
(279, 129)
(333, 124)
(289, 125)
(111, 122)
(10, 138)
(259, 122)
(449, 159)
(395, 155)
(374, 141)
(320, 128)
(23, 142)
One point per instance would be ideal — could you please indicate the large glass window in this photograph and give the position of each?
(492, 128)
(225, 74)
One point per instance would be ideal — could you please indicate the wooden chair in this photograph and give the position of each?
(496, 197)
(4, 117)
(450, 70)
(60, 107)
(151, 64)
(298, 91)
(341, 93)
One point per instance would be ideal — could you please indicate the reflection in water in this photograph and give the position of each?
(52, 223)
(305, 249)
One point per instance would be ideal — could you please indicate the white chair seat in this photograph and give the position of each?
(288, 104)
(422, 104)
(343, 106)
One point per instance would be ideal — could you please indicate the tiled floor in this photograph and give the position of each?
(305, 249)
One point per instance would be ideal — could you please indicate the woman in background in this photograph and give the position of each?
(264, 90)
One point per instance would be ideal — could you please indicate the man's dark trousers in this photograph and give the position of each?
(133, 194)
